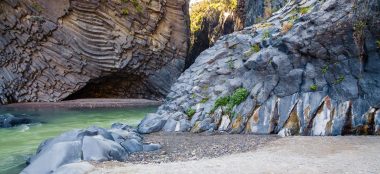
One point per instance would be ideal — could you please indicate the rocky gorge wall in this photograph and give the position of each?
(51, 50)
(310, 69)
(218, 23)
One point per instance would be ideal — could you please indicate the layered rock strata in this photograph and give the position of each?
(118, 48)
(311, 69)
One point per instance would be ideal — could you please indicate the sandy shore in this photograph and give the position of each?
(88, 103)
(286, 155)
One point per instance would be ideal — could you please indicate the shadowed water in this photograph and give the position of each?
(17, 143)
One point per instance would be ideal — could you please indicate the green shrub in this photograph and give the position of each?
(37, 7)
(125, 12)
(221, 101)
(325, 69)
(266, 35)
(314, 87)
(255, 48)
(378, 43)
(139, 9)
(340, 79)
(230, 64)
(304, 10)
(190, 112)
(236, 98)
(204, 100)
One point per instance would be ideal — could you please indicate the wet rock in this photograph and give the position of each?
(9, 120)
(63, 153)
(123, 127)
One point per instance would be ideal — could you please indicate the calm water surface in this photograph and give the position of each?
(17, 143)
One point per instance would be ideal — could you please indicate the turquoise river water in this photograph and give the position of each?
(17, 143)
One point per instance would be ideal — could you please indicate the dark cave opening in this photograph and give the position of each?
(117, 85)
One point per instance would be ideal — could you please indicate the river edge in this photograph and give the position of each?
(87, 103)
(299, 154)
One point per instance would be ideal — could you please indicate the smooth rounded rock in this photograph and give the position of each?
(97, 148)
(151, 147)
(132, 145)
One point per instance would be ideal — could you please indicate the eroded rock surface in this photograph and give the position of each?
(311, 69)
(68, 152)
(49, 50)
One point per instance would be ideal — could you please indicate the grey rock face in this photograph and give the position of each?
(66, 152)
(50, 51)
(308, 79)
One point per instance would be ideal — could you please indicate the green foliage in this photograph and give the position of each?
(304, 10)
(204, 100)
(359, 26)
(221, 101)
(205, 87)
(135, 4)
(125, 12)
(37, 7)
(203, 8)
(190, 112)
(340, 79)
(325, 69)
(255, 48)
(378, 43)
(236, 98)
(266, 35)
(230, 64)
(193, 95)
(314, 87)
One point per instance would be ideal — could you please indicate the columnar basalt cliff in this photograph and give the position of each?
(50, 50)
(311, 69)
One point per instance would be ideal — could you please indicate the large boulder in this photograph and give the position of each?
(151, 123)
(310, 69)
(50, 51)
(66, 152)
(55, 156)
(97, 148)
